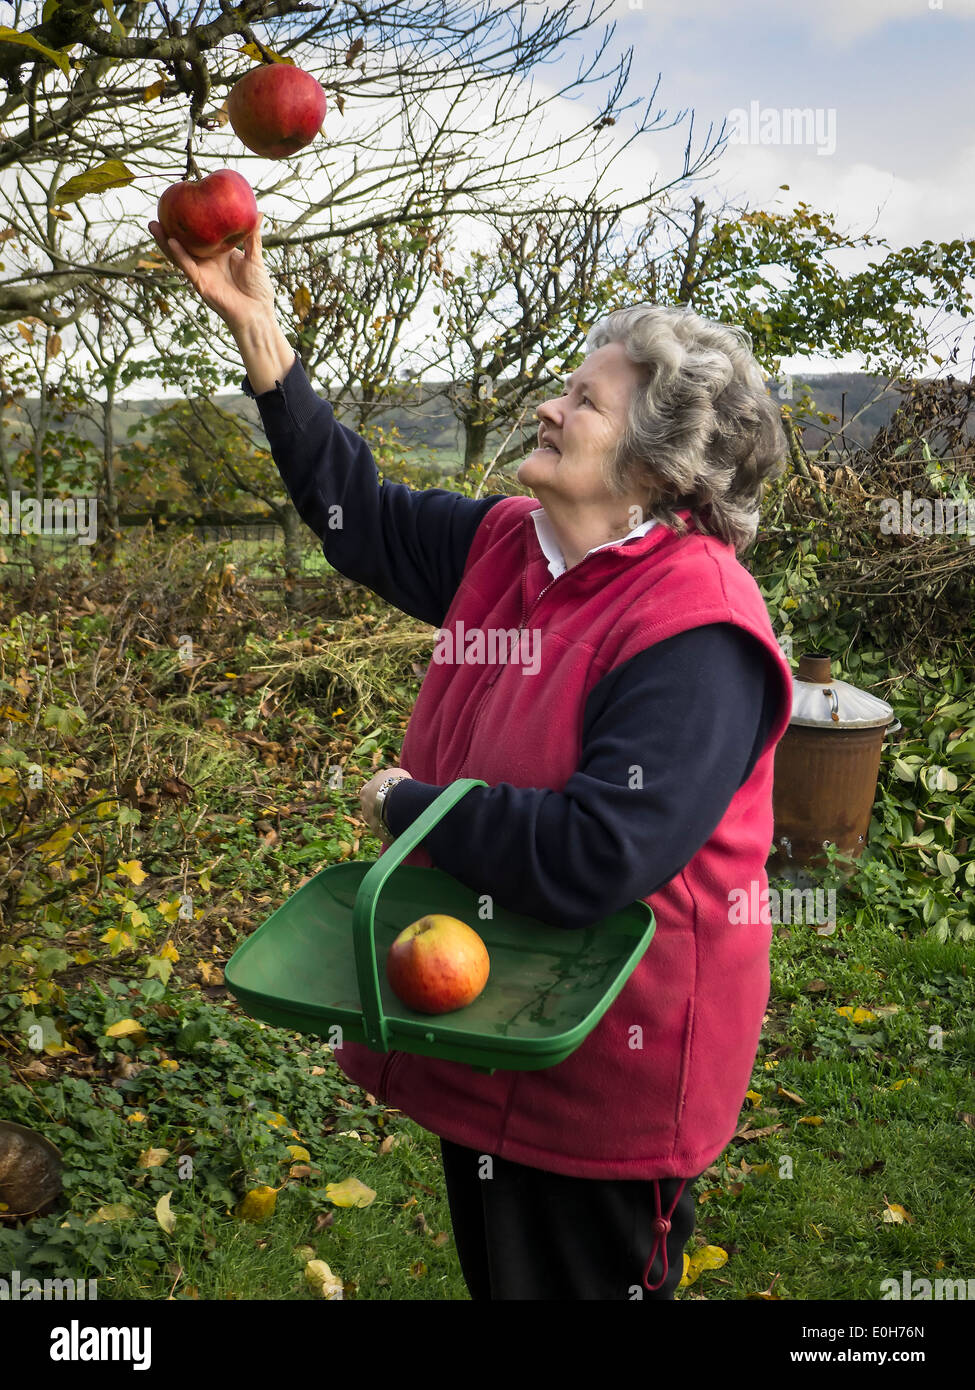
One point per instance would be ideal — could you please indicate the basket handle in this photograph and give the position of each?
(364, 911)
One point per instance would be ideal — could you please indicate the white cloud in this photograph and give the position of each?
(839, 21)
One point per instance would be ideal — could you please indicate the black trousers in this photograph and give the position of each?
(523, 1233)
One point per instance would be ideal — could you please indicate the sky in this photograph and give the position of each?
(891, 149)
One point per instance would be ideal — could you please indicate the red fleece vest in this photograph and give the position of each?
(696, 1000)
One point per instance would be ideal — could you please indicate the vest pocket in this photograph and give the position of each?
(685, 1062)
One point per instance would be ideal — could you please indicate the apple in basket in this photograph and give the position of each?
(437, 964)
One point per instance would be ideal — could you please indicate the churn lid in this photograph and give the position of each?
(818, 701)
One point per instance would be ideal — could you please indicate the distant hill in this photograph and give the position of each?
(427, 421)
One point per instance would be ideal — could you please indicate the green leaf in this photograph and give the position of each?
(947, 864)
(112, 173)
(66, 721)
(192, 1034)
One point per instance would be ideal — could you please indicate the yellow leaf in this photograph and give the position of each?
(350, 1193)
(152, 1158)
(133, 871)
(169, 1065)
(711, 1257)
(82, 957)
(169, 951)
(789, 1095)
(164, 1216)
(322, 1280)
(897, 1215)
(299, 1154)
(30, 996)
(275, 1120)
(127, 1028)
(770, 1066)
(168, 910)
(136, 1118)
(116, 1211)
(908, 1081)
(258, 1204)
(753, 1096)
(857, 1015)
(104, 809)
(810, 1119)
(56, 1049)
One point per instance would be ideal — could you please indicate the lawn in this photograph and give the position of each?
(208, 1156)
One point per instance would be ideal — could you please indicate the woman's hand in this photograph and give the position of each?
(234, 284)
(367, 799)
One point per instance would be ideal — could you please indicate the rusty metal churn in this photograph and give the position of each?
(826, 768)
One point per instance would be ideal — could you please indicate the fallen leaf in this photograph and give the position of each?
(127, 1028)
(754, 1097)
(115, 1211)
(152, 1158)
(165, 1217)
(350, 1193)
(767, 1293)
(322, 1280)
(896, 1214)
(746, 1135)
(710, 1257)
(857, 1015)
(810, 1119)
(789, 1095)
(258, 1204)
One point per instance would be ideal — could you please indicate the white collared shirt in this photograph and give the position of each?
(550, 546)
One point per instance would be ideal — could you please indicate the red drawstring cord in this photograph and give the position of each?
(660, 1226)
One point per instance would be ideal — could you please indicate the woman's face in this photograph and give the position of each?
(580, 429)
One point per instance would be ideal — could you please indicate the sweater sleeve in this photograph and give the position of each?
(687, 717)
(408, 546)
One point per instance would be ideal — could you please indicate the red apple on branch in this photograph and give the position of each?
(209, 215)
(437, 964)
(276, 109)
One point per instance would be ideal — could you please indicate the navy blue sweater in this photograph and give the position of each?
(696, 708)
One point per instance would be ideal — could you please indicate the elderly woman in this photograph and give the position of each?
(632, 760)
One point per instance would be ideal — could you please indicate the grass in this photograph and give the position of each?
(828, 1210)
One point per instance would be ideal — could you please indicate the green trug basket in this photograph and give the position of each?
(312, 966)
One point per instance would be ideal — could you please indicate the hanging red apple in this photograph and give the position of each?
(209, 215)
(276, 109)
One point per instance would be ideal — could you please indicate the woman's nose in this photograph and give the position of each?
(548, 410)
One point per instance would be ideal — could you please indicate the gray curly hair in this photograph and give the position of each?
(703, 432)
